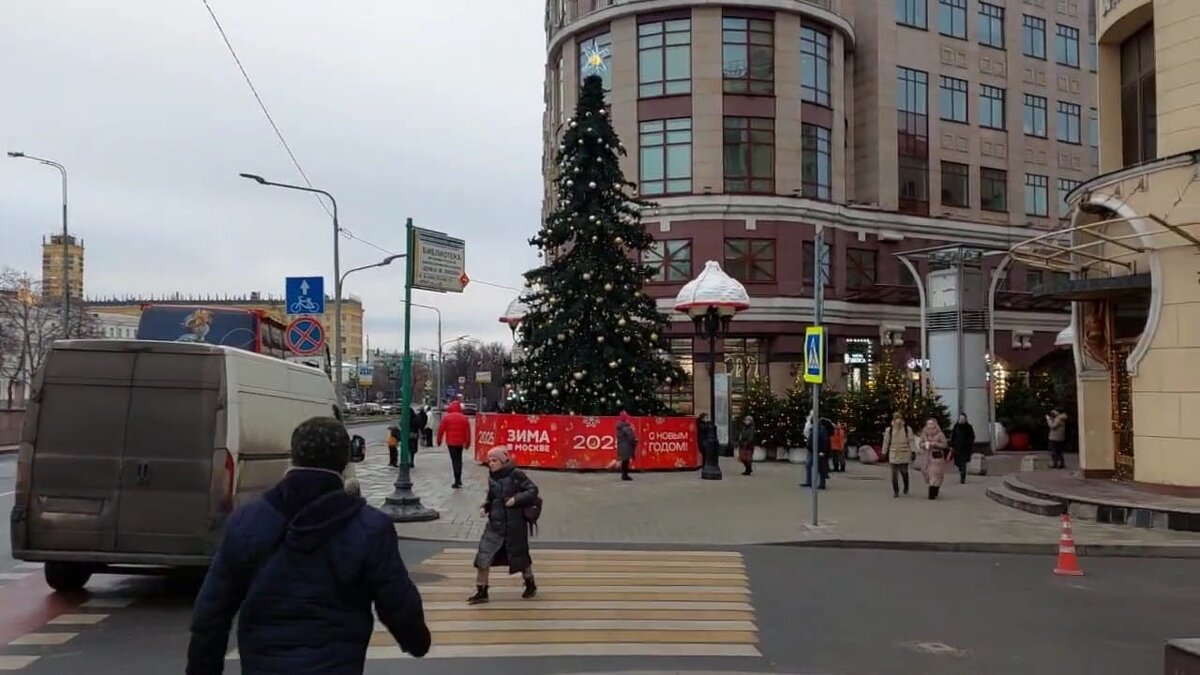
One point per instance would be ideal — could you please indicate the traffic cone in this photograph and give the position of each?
(1068, 563)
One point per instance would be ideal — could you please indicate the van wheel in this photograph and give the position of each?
(65, 577)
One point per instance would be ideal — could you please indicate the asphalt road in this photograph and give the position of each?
(812, 611)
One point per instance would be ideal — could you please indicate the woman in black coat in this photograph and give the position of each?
(505, 540)
(962, 440)
(626, 444)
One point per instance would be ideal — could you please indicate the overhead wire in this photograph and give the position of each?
(292, 155)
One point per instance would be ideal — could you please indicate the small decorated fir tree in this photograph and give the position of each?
(594, 343)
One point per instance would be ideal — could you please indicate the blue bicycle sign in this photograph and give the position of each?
(305, 295)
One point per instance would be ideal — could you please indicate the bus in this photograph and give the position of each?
(250, 329)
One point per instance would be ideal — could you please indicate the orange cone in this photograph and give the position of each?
(1068, 563)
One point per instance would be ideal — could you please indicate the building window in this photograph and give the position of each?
(1068, 123)
(991, 25)
(1065, 185)
(1066, 45)
(993, 189)
(666, 156)
(749, 154)
(1037, 195)
(991, 107)
(952, 18)
(816, 165)
(1139, 107)
(1033, 279)
(1033, 36)
(807, 263)
(1094, 135)
(748, 55)
(1093, 48)
(750, 259)
(814, 66)
(664, 58)
(914, 185)
(595, 58)
(671, 259)
(562, 89)
(953, 99)
(911, 13)
(862, 268)
(1035, 115)
(746, 361)
(912, 126)
(679, 395)
(956, 179)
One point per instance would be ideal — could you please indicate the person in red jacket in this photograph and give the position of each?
(455, 428)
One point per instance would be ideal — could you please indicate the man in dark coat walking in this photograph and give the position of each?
(302, 567)
(626, 444)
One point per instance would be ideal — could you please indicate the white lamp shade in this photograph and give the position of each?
(712, 288)
(1065, 337)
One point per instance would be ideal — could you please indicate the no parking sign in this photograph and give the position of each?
(304, 336)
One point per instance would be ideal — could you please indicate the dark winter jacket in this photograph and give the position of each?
(822, 441)
(707, 435)
(962, 440)
(302, 567)
(506, 525)
(626, 441)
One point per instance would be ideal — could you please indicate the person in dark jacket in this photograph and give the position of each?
(706, 434)
(962, 441)
(626, 444)
(505, 540)
(302, 567)
(745, 443)
(422, 425)
(414, 436)
(819, 444)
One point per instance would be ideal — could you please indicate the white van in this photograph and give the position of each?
(135, 452)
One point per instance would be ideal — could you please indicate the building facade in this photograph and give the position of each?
(53, 250)
(1131, 249)
(894, 125)
(352, 313)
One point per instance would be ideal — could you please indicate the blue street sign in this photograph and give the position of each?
(814, 355)
(305, 295)
(304, 336)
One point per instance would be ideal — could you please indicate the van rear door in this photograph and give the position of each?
(80, 406)
(167, 465)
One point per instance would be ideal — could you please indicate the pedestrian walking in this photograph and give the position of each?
(818, 453)
(897, 443)
(745, 443)
(422, 425)
(301, 568)
(933, 443)
(455, 430)
(1057, 423)
(414, 435)
(837, 448)
(962, 441)
(706, 435)
(626, 444)
(393, 444)
(505, 540)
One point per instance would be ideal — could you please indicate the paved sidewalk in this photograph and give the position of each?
(768, 507)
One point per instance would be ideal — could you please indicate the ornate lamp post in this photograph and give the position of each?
(711, 300)
(513, 316)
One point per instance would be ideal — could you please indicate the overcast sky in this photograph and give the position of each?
(400, 108)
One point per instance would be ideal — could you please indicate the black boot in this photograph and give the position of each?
(480, 597)
(530, 588)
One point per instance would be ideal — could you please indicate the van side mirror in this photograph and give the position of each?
(358, 449)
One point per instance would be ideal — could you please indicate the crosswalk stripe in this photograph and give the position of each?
(571, 592)
(496, 636)
(43, 639)
(107, 603)
(573, 610)
(614, 553)
(8, 663)
(646, 649)
(673, 579)
(586, 624)
(610, 564)
(13, 576)
(77, 619)
(548, 604)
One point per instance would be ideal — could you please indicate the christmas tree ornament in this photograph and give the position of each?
(600, 339)
(621, 322)
(618, 241)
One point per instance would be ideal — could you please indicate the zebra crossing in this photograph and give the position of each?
(590, 602)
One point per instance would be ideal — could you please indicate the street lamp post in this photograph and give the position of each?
(337, 275)
(438, 400)
(711, 300)
(66, 265)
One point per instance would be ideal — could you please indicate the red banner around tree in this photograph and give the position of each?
(587, 443)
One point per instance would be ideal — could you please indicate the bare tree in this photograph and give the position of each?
(29, 324)
(469, 358)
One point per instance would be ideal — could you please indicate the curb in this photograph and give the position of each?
(1009, 548)
(1005, 548)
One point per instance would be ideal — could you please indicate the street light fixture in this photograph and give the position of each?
(711, 300)
(337, 275)
(66, 289)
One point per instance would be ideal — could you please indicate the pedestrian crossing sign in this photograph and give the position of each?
(814, 354)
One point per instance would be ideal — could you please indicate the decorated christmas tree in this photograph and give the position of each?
(768, 412)
(593, 342)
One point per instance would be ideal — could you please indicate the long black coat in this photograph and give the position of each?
(506, 538)
(626, 441)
